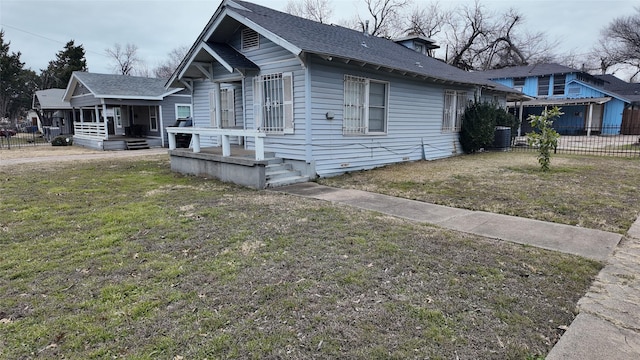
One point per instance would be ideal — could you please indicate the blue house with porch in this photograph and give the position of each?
(588, 107)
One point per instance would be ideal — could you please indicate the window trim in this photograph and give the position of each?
(364, 129)
(153, 118)
(184, 105)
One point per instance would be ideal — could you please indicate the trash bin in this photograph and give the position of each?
(502, 138)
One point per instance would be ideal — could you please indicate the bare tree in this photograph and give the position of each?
(468, 27)
(316, 10)
(125, 59)
(620, 44)
(426, 21)
(386, 16)
(477, 39)
(166, 68)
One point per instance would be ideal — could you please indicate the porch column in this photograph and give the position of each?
(217, 101)
(106, 125)
(590, 118)
(520, 116)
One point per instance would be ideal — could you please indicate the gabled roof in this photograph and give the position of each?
(529, 70)
(111, 86)
(51, 99)
(332, 43)
(630, 91)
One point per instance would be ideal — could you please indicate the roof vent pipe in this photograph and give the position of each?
(366, 27)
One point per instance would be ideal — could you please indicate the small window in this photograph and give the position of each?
(250, 39)
(365, 106)
(543, 86)
(183, 111)
(153, 118)
(518, 83)
(455, 103)
(558, 84)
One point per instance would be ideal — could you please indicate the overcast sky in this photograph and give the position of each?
(39, 29)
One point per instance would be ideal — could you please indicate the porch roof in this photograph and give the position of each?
(232, 57)
(111, 86)
(558, 102)
(50, 99)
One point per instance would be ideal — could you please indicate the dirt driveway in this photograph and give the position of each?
(45, 153)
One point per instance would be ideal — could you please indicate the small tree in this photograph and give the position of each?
(545, 138)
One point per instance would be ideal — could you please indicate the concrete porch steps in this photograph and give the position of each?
(137, 144)
(278, 173)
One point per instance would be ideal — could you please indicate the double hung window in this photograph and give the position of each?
(365, 106)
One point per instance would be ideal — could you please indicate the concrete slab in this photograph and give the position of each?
(589, 243)
(592, 244)
(592, 338)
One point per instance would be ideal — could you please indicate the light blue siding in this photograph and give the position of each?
(414, 122)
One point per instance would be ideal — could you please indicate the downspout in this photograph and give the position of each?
(161, 125)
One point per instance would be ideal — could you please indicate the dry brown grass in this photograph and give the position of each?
(594, 192)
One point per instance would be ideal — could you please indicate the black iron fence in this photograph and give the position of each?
(602, 140)
(15, 140)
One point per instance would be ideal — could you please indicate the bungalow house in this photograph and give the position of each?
(118, 112)
(52, 114)
(588, 106)
(307, 99)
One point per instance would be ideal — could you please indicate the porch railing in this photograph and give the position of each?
(91, 130)
(197, 132)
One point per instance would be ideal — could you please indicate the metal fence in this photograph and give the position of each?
(606, 141)
(21, 140)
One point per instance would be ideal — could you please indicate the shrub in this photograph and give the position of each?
(62, 140)
(478, 125)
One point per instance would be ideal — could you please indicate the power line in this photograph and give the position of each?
(50, 39)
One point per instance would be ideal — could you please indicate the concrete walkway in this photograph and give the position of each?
(608, 323)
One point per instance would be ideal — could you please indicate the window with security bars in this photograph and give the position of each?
(455, 103)
(273, 102)
(543, 86)
(365, 106)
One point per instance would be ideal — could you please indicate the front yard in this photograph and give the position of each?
(124, 259)
(596, 192)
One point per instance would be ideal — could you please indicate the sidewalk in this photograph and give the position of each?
(608, 323)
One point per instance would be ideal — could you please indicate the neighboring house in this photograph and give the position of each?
(588, 107)
(321, 98)
(52, 112)
(631, 91)
(115, 112)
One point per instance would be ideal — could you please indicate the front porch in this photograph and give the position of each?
(96, 135)
(239, 168)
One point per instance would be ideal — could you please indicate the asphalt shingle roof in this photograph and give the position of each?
(529, 70)
(235, 59)
(52, 99)
(340, 42)
(630, 91)
(111, 85)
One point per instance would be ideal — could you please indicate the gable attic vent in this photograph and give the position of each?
(250, 39)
